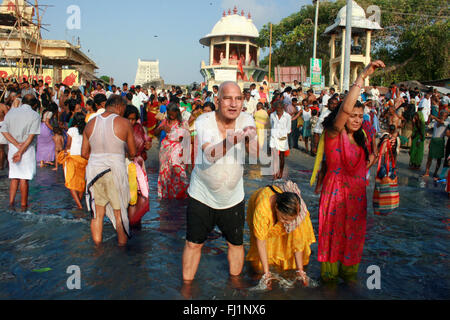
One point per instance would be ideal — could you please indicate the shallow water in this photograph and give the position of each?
(410, 247)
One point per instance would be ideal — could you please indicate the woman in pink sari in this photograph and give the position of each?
(343, 201)
(173, 181)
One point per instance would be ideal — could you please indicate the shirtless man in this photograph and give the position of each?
(105, 141)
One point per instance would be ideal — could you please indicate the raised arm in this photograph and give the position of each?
(350, 100)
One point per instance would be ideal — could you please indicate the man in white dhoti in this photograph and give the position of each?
(20, 127)
(107, 191)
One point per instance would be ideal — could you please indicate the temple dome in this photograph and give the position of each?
(357, 11)
(232, 25)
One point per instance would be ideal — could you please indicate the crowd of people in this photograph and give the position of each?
(101, 138)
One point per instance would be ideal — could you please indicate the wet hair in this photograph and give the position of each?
(288, 203)
(92, 105)
(115, 100)
(99, 99)
(359, 136)
(173, 107)
(79, 122)
(131, 110)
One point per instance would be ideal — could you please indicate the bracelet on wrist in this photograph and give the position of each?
(357, 85)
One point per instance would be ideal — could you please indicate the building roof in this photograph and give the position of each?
(232, 25)
(359, 20)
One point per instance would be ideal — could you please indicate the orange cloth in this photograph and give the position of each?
(74, 171)
(281, 246)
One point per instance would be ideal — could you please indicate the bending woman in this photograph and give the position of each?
(343, 201)
(281, 232)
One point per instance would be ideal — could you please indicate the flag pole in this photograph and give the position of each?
(270, 55)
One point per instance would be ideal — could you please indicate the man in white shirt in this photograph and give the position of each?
(375, 93)
(280, 122)
(254, 92)
(325, 98)
(250, 103)
(216, 192)
(425, 103)
(20, 128)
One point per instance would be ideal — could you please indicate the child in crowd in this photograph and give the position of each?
(58, 138)
(315, 139)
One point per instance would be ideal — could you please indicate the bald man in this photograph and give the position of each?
(216, 192)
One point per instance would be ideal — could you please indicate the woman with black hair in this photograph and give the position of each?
(281, 232)
(137, 176)
(343, 201)
(172, 180)
(74, 164)
(45, 145)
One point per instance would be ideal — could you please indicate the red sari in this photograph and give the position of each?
(172, 180)
(151, 123)
(343, 202)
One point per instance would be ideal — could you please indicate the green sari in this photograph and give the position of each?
(418, 142)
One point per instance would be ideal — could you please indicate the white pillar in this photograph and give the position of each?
(227, 57)
(315, 29)
(247, 53)
(341, 78)
(368, 49)
(348, 46)
(211, 54)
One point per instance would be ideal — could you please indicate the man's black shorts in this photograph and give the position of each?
(202, 219)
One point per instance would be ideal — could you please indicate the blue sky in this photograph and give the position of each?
(116, 33)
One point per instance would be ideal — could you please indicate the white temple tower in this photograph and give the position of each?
(147, 71)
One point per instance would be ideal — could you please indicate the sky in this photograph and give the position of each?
(116, 33)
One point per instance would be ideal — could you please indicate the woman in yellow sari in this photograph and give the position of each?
(281, 232)
(74, 164)
(262, 120)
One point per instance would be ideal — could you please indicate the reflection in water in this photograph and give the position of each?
(410, 247)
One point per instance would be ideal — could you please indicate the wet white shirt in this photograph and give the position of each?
(219, 185)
